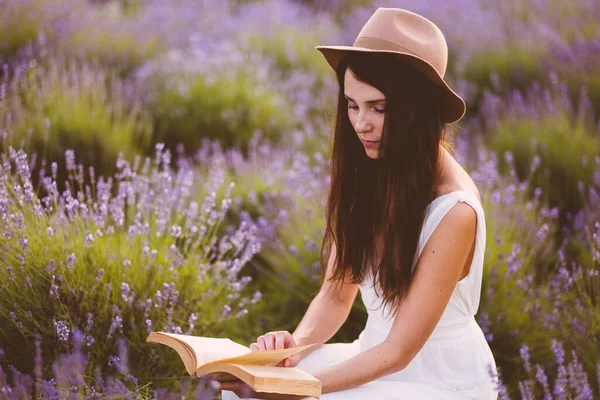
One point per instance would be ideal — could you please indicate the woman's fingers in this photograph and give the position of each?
(266, 342)
(270, 341)
(273, 341)
(280, 340)
(260, 341)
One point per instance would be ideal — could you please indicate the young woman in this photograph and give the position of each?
(405, 226)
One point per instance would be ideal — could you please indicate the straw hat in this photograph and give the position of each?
(418, 41)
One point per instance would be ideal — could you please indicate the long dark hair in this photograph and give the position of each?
(376, 208)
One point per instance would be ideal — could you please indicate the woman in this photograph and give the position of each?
(405, 226)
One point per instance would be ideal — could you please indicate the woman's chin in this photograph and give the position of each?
(372, 153)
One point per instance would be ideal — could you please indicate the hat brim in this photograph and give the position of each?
(455, 106)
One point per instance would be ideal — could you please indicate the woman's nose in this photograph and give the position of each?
(362, 123)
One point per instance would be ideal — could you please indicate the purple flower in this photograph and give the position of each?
(524, 352)
(561, 384)
(62, 330)
(70, 160)
(256, 297)
(176, 231)
(53, 291)
(559, 351)
(541, 377)
(193, 317)
(70, 261)
(89, 239)
(126, 293)
(51, 266)
(526, 390)
(116, 324)
(90, 322)
(541, 234)
(226, 310)
(293, 250)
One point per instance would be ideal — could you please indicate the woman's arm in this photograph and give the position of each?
(328, 310)
(438, 269)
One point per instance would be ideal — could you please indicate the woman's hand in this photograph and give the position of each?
(243, 391)
(276, 341)
(269, 341)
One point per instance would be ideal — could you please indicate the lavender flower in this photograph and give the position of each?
(90, 322)
(53, 291)
(524, 352)
(70, 261)
(62, 330)
(541, 377)
(89, 239)
(99, 275)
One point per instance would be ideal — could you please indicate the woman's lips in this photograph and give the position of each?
(369, 143)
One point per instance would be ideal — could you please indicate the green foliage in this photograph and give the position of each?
(117, 49)
(291, 272)
(517, 260)
(505, 69)
(298, 66)
(577, 18)
(20, 24)
(565, 144)
(284, 190)
(580, 292)
(73, 105)
(531, 39)
(115, 267)
(291, 49)
(104, 32)
(112, 33)
(190, 107)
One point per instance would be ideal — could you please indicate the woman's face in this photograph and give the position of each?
(366, 110)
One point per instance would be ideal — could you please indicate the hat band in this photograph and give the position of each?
(374, 43)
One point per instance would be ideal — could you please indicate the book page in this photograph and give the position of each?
(210, 349)
(264, 378)
(265, 357)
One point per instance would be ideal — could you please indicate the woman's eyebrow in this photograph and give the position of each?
(368, 101)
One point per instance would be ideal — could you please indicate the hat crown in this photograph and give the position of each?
(401, 30)
(413, 39)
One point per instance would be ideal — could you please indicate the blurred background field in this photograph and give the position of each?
(164, 166)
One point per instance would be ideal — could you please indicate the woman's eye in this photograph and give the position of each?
(380, 110)
(351, 107)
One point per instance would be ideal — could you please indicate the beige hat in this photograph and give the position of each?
(412, 37)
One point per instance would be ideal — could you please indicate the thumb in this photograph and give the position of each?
(291, 361)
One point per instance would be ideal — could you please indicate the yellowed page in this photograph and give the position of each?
(209, 349)
(264, 378)
(185, 352)
(266, 357)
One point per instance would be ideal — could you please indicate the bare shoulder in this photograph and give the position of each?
(462, 214)
(465, 184)
(455, 233)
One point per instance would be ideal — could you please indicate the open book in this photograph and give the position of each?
(226, 360)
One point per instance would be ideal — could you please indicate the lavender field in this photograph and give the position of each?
(164, 166)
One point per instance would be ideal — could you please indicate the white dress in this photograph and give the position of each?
(455, 362)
